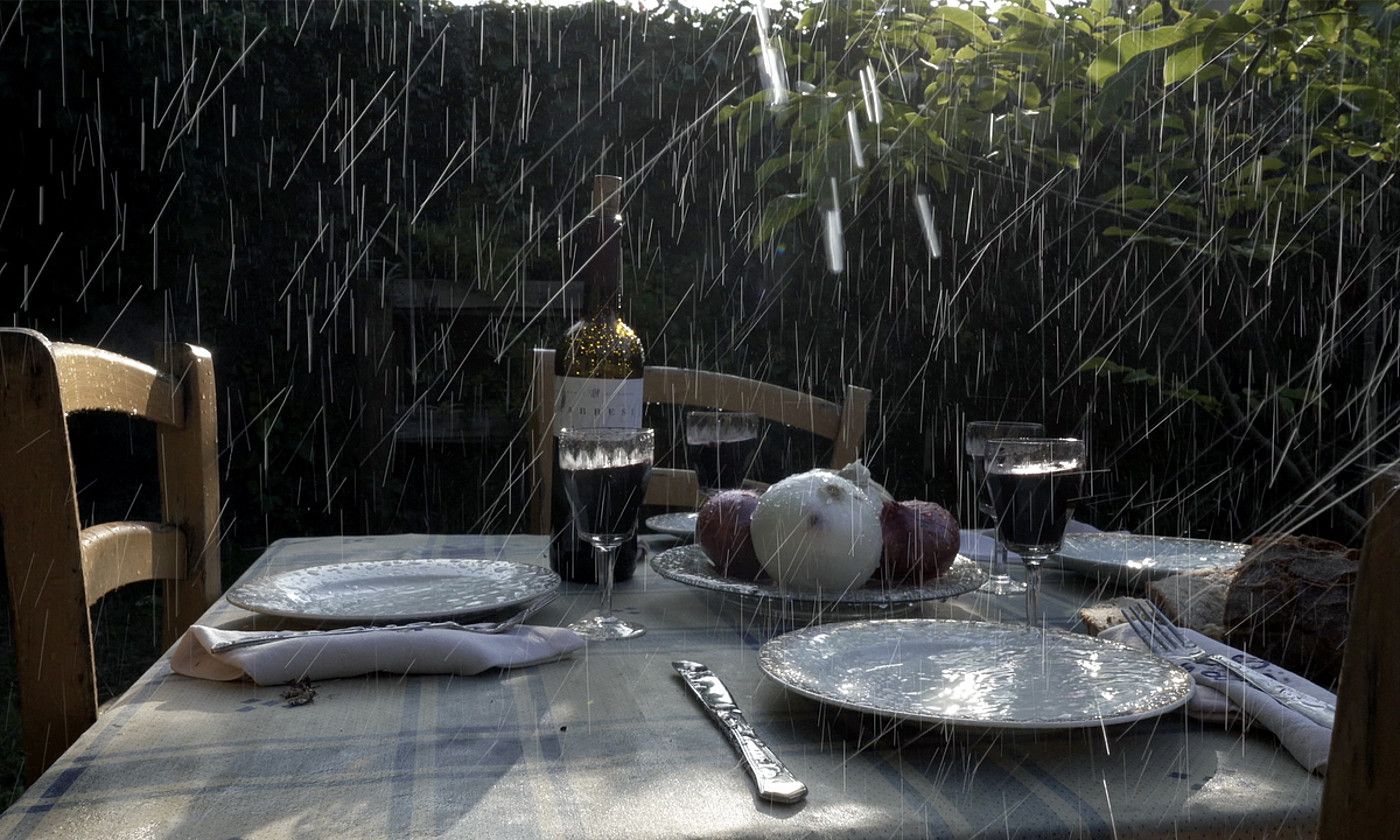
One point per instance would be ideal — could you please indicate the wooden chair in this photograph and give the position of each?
(1361, 797)
(56, 569)
(844, 425)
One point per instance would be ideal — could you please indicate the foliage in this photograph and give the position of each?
(1227, 121)
(1192, 187)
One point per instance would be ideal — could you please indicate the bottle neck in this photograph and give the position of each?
(602, 268)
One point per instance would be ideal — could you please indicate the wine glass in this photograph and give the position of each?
(975, 439)
(605, 474)
(721, 446)
(1034, 483)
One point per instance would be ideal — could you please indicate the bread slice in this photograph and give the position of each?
(1104, 614)
(1194, 599)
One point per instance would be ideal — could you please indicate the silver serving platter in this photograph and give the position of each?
(675, 524)
(976, 674)
(395, 590)
(689, 564)
(1140, 558)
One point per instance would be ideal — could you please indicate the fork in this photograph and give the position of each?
(495, 628)
(1167, 641)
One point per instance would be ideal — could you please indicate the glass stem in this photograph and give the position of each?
(1032, 590)
(999, 571)
(603, 566)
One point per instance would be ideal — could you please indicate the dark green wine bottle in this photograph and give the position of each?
(598, 370)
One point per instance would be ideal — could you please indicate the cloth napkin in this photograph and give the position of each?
(443, 648)
(1223, 701)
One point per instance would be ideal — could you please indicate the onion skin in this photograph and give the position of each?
(722, 529)
(921, 541)
(817, 532)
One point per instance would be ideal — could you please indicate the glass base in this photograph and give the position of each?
(1002, 586)
(606, 628)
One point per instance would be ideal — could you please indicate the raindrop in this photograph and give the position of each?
(924, 204)
(857, 151)
(832, 235)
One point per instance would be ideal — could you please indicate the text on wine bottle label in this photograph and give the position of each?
(583, 403)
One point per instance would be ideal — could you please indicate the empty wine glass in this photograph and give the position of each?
(605, 474)
(721, 446)
(1034, 483)
(975, 439)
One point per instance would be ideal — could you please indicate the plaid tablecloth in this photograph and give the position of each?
(610, 744)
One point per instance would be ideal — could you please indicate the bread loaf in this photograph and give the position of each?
(1290, 602)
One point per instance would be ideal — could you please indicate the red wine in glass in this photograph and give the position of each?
(605, 474)
(1033, 505)
(1034, 483)
(721, 446)
(606, 500)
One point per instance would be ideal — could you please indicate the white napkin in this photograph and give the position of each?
(1223, 701)
(440, 649)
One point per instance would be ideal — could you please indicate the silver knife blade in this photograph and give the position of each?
(775, 782)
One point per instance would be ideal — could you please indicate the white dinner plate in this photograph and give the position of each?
(395, 590)
(689, 564)
(675, 524)
(1139, 558)
(971, 673)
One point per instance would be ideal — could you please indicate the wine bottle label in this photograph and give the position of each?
(583, 403)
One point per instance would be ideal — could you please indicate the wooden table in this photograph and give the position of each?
(610, 744)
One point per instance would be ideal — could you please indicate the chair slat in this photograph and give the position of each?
(97, 380)
(681, 386)
(541, 398)
(118, 553)
(844, 425)
(673, 488)
(188, 459)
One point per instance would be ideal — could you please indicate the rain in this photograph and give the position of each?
(1167, 229)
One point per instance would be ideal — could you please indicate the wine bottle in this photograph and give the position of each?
(598, 372)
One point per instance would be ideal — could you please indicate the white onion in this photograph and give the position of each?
(817, 531)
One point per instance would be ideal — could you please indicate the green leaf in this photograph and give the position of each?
(779, 213)
(1101, 364)
(1183, 63)
(771, 167)
(1130, 45)
(969, 23)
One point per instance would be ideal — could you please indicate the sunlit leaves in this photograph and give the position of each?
(963, 21)
(1129, 45)
(1183, 64)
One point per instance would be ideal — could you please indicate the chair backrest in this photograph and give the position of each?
(842, 424)
(58, 569)
(1361, 797)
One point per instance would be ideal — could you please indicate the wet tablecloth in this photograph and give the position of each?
(609, 743)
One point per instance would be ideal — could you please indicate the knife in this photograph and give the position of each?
(775, 782)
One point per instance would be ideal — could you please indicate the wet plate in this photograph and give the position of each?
(689, 564)
(1139, 558)
(969, 673)
(395, 590)
(675, 524)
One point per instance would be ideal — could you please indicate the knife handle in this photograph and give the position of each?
(1318, 711)
(775, 782)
